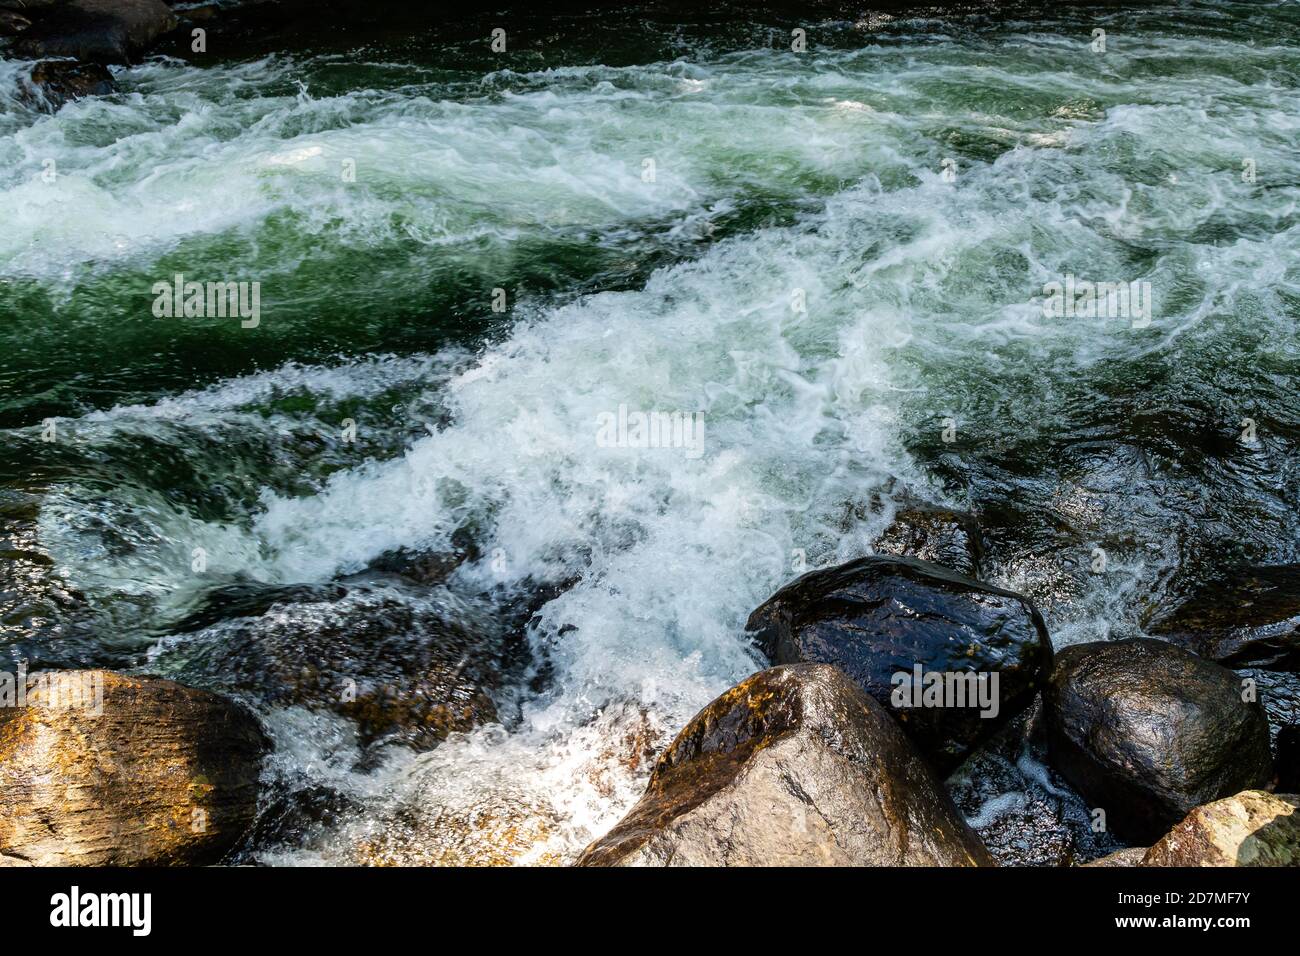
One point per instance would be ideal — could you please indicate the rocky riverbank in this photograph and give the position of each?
(1164, 747)
(890, 673)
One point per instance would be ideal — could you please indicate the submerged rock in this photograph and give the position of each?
(1249, 620)
(289, 817)
(407, 668)
(941, 536)
(101, 769)
(60, 81)
(99, 31)
(877, 618)
(252, 599)
(1147, 731)
(1252, 828)
(793, 766)
(508, 830)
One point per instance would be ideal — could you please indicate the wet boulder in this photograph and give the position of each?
(951, 657)
(1147, 731)
(1288, 759)
(57, 82)
(101, 769)
(407, 667)
(794, 766)
(99, 31)
(942, 536)
(1252, 828)
(1250, 619)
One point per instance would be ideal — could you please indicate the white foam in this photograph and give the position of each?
(197, 153)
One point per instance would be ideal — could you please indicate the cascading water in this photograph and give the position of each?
(837, 257)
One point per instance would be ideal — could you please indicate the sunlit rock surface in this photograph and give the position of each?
(1252, 828)
(793, 766)
(135, 771)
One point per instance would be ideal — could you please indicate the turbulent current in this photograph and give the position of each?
(836, 258)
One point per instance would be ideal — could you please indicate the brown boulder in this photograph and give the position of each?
(1147, 731)
(794, 766)
(56, 82)
(1251, 828)
(102, 769)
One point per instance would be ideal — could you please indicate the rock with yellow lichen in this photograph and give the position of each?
(102, 769)
(794, 766)
(1251, 828)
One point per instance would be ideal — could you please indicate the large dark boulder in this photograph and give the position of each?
(101, 769)
(1147, 731)
(1251, 619)
(99, 31)
(793, 766)
(877, 618)
(1252, 828)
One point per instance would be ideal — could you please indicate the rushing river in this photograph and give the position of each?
(837, 257)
